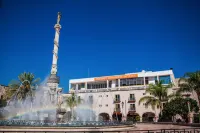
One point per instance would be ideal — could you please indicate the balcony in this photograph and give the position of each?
(116, 100)
(131, 109)
(117, 110)
(131, 99)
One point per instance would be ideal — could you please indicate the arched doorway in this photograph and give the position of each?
(133, 117)
(148, 117)
(104, 117)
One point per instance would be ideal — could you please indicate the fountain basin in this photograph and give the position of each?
(32, 123)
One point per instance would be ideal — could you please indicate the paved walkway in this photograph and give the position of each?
(147, 126)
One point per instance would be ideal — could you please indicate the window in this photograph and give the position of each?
(82, 85)
(144, 93)
(117, 97)
(106, 105)
(100, 105)
(128, 82)
(123, 82)
(117, 106)
(116, 82)
(132, 97)
(106, 95)
(156, 80)
(96, 85)
(89, 86)
(146, 80)
(100, 95)
(110, 84)
(140, 81)
(131, 82)
(165, 79)
(73, 86)
(132, 106)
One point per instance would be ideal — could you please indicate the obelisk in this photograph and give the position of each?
(54, 80)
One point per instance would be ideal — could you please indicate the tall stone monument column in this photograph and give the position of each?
(54, 80)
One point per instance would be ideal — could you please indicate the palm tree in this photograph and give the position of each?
(23, 87)
(159, 95)
(73, 101)
(190, 82)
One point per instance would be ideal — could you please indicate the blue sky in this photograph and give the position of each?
(107, 36)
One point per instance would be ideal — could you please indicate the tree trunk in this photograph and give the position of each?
(161, 109)
(72, 117)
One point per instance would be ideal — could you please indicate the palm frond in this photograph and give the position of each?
(23, 87)
(145, 99)
(189, 82)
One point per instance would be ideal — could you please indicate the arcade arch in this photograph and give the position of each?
(148, 117)
(133, 116)
(104, 117)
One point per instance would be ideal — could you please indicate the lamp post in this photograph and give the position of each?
(122, 109)
(122, 104)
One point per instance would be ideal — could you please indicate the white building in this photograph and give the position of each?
(118, 95)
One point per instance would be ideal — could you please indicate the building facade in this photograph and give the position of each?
(119, 95)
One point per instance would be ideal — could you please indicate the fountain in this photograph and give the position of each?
(45, 109)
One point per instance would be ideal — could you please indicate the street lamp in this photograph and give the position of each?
(122, 108)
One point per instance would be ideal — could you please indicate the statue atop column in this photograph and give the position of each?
(59, 17)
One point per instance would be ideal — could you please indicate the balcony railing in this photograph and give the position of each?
(131, 99)
(117, 100)
(117, 109)
(131, 109)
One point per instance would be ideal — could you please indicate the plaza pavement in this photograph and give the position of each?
(140, 126)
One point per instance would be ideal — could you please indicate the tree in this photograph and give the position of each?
(180, 106)
(73, 101)
(3, 103)
(159, 94)
(190, 82)
(23, 87)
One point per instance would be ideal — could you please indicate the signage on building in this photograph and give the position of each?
(116, 77)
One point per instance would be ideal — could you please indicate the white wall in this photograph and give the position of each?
(107, 98)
